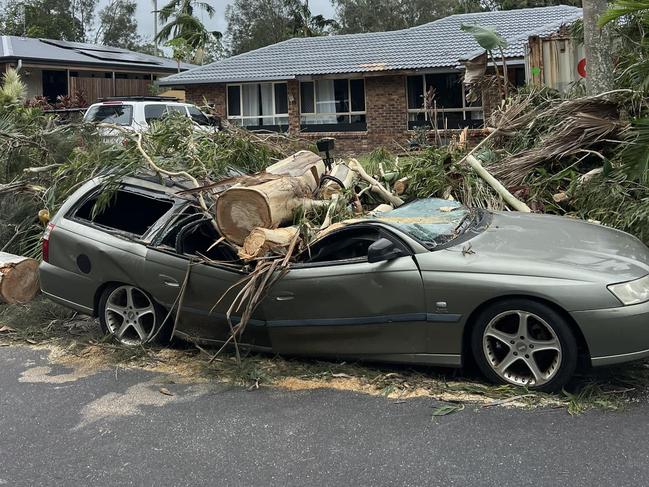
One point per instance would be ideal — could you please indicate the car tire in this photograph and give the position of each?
(525, 343)
(132, 317)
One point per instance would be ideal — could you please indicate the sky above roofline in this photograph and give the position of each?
(144, 15)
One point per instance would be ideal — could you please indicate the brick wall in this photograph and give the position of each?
(213, 93)
(293, 106)
(385, 99)
(387, 119)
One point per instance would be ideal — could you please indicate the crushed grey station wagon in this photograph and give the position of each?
(526, 296)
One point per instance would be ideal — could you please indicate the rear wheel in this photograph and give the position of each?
(131, 316)
(525, 343)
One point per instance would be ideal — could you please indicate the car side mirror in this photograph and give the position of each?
(383, 250)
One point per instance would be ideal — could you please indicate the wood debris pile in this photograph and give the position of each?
(258, 213)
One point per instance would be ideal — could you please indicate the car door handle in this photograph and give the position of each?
(169, 281)
(284, 297)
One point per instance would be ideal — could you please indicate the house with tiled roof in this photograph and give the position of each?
(368, 89)
(53, 68)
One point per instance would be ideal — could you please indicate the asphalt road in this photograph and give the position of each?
(60, 427)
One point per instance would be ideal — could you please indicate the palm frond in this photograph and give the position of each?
(622, 8)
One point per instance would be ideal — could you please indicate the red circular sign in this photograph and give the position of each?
(581, 67)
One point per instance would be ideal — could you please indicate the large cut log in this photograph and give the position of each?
(271, 204)
(18, 278)
(264, 240)
(306, 165)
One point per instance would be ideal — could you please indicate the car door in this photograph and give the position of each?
(348, 307)
(208, 293)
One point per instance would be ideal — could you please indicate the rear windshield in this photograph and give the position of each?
(126, 211)
(431, 221)
(117, 114)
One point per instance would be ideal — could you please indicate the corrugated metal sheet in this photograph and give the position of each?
(560, 60)
(439, 44)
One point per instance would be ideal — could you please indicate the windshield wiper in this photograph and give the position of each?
(465, 222)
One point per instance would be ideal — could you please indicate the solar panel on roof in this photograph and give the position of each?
(123, 57)
(81, 45)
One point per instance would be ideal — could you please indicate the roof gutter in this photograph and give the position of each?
(209, 81)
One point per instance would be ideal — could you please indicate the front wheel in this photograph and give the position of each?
(131, 316)
(524, 343)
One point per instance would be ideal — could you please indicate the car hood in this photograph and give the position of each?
(554, 246)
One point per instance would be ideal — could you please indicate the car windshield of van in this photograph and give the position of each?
(117, 114)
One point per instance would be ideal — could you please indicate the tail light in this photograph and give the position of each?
(46, 242)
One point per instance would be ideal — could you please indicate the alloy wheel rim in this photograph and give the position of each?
(130, 315)
(522, 348)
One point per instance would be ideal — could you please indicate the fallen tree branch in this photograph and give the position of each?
(37, 170)
(149, 160)
(509, 198)
(375, 186)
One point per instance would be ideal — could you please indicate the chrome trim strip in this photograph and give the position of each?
(620, 358)
(365, 320)
(68, 303)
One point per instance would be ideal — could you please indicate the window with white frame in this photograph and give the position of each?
(453, 111)
(333, 104)
(258, 105)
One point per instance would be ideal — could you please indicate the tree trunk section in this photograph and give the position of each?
(264, 240)
(400, 186)
(272, 203)
(598, 46)
(18, 278)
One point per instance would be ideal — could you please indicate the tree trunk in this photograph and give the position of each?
(263, 240)
(345, 175)
(598, 45)
(271, 204)
(18, 278)
(509, 198)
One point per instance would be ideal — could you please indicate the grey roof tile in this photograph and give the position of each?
(439, 44)
(71, 53)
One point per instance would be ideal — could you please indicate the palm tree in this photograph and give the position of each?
(490, 40)
(180, 22)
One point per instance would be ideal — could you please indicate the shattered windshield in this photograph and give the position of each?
(431, 221)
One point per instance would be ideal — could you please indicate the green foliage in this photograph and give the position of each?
(486, 37)
(623, 8)
(381, 15)
(13, 90)
(634, 158)
(378, 156)
(615, 201)
(257, 23)
(182, 23)
(118, 25)
(52, 19)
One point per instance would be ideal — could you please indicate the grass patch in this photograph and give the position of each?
(76, 341)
